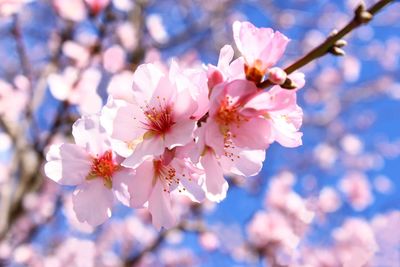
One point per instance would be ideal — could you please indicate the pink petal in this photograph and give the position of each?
(250, 40)
(216, 186)
(184, 105)
(89, 134)
(213, 136)
(92, 202)
(163, 93)
(252, 134)
(274, 50)
(160, 207)
(248, 163)
(240, 90)
(180, 134)
(67, 164)
(148, 148)
(146, 79)
(285, 133)
(121, 181)
(127, 122)
(225, 57)
(193, 189)
(141, 184)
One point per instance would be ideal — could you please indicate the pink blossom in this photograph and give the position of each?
(260, 47)
(73, 10)
(357, 189)
(268, 228)
(226, 69)
(161, 117)
(77, 88)
(114, 59)
(117, 87)
(329, 200)
(156, 28)
(277, 75)
(355, 243)
(77, 52)
(90, 165)
(209, 241)
(9, 7)
(284, 117)
(156, 178)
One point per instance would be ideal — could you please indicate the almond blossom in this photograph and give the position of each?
(157, 178)
(161, 117)
(260, 47)
(91, 165)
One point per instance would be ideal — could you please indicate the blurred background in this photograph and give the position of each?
(335, 199)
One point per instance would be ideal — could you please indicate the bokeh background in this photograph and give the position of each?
(335, 197)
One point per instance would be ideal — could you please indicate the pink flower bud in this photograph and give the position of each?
(277, 75)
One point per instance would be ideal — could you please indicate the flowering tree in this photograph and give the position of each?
(126, 143)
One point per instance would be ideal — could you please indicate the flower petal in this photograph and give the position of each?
(92, 202)
(89, 134)
(180, 134)
(148, 148)
(215, 184)
(141, 184)
(160, 207)
(67, 164)
(252, 134)
(121, 181)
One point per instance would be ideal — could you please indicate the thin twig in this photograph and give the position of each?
(329, 43)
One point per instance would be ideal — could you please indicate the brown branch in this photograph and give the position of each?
(194, 227)
(361, 16)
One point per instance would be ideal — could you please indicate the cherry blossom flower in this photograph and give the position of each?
(163, 115)
(260, 47)
(90, 165)
(156, 178)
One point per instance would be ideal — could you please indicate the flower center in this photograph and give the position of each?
(166, 174)
(103, 167)
(158, 119)
(255, 72)
(228, 113)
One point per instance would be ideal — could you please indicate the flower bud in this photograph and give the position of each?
(277, 75)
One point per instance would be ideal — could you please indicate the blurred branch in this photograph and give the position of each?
(195, 227)
(331, 45)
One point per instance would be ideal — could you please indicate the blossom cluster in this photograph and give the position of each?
(179, 131)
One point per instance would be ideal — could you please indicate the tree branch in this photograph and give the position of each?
(361, 16)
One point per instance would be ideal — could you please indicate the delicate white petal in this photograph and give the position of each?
(93, 202)
(121, 181)
(216, 186)
(148, 148)
(140, 186)
(89, 134)
(67, 164)
(180, 134)
(160, 207)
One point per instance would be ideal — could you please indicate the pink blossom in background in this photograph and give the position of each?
(73, 10)
(78, 88)
(10, 7)
(357, 189)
